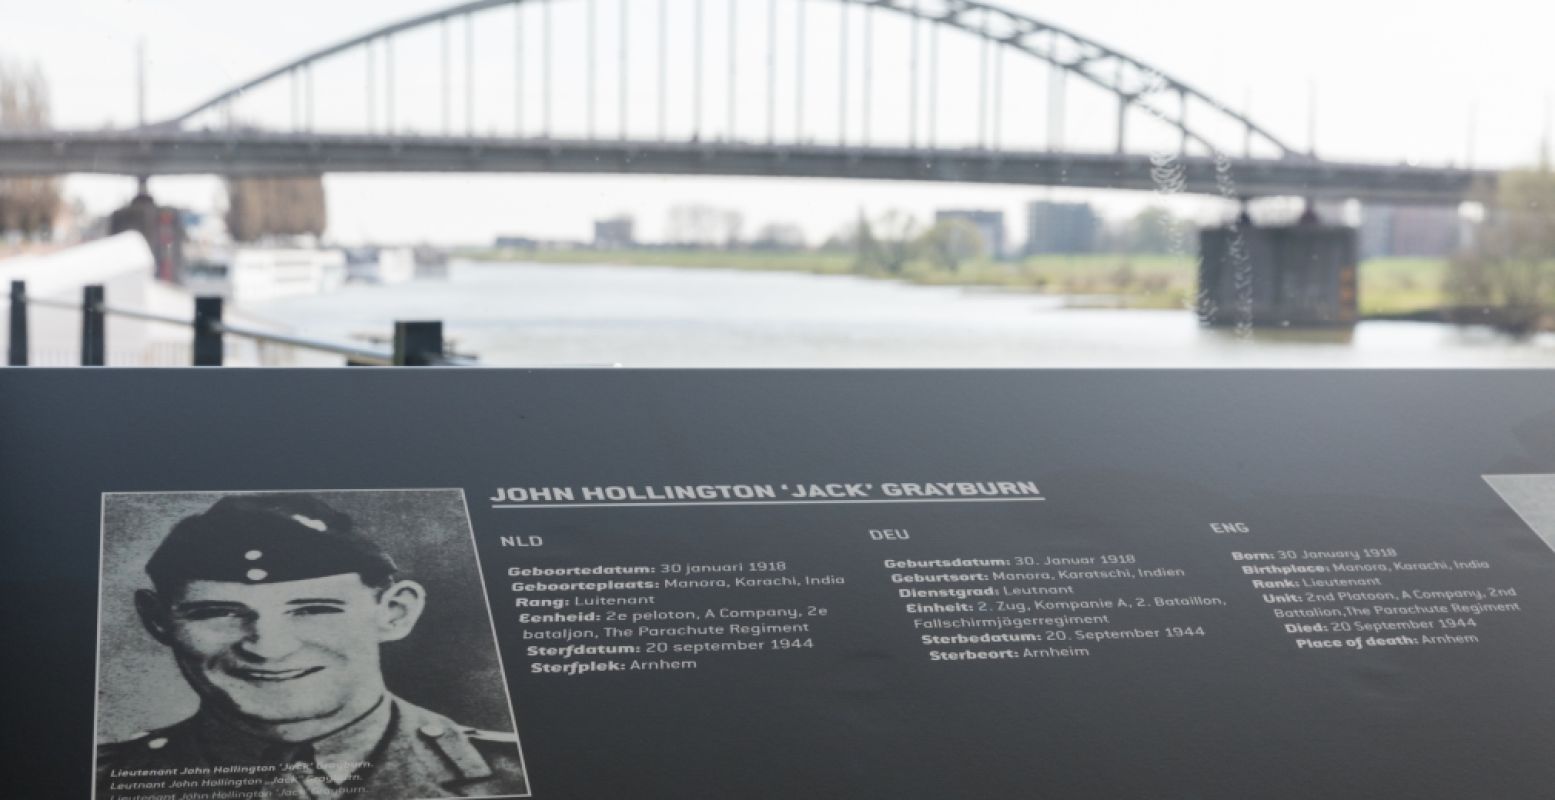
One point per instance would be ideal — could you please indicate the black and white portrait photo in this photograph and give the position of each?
(298, 646)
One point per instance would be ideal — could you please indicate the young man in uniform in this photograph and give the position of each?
(274, 608)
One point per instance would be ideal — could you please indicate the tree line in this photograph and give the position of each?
(28, 206)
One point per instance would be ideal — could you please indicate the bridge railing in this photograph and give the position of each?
(416, 343)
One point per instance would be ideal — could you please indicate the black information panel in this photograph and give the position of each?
(839, 584)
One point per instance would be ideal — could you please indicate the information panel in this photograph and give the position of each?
(407, 584)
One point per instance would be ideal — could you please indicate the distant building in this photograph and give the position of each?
(614, 233)
(990, 224)
(515, 243)
(1060, 228)
(1421, 231)
(1375, 232)
(779, 236)
(1425, 231)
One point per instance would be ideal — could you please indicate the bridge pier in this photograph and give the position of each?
(160, 225)
(1301, 275)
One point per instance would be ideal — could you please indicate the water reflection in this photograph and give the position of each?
(536, 315)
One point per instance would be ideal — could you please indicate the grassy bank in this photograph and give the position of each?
(1389, 286)
(1399, 286)
(819, 263)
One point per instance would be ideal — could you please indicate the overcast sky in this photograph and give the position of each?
(1393, 82)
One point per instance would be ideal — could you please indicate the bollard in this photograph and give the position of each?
(209, 350)
(92, 347)
(17, 356)
(418, 344)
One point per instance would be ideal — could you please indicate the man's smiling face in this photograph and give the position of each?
(279, 653)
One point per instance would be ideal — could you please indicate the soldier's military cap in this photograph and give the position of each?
(266, 538)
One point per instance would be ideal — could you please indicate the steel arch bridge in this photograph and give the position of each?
(1191, 135)
(1134, 83)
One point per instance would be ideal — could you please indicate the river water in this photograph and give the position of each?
(519, 314)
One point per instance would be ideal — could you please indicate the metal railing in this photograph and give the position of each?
(416, 343)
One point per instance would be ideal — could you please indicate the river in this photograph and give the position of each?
(524, 315)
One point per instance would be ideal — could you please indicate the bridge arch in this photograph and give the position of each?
(1135, 84)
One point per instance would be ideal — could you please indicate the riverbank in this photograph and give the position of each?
(1389, 287)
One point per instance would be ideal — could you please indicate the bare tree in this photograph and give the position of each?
(949, 242)
(694, 224)
(27, 205)
(733, 223)
(259, 207)
(1156, 230)
(1508, 276)
(893, 241)
(779, 236)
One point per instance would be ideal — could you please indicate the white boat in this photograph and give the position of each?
(380, 265)
(431, 263)
(246, 275)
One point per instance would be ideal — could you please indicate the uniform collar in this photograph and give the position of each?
(419, 753)
(342, 752)
(335, 753)
(424, 754)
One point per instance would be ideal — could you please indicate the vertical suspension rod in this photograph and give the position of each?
(998, 96)
(590, 69)
(545, 70)
(1247, 132)
(982, 85)
(842, 77)
(697, 78)
(1182, 119)
(869, 67)
(388, 80)
(912, 77)
(308, 90)
(518, 69)
(469, 74)
(1055, 99)
(799, 71)
(624, 71)
(372, 90)
(771, 71)
(933, 86)
(447, 86)
(1122, 107)
(731, 43)
(664, 46)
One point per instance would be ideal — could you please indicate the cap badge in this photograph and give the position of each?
(309, 522)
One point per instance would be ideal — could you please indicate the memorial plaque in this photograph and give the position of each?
(408, 584)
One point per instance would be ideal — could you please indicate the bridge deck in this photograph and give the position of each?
(171, 152)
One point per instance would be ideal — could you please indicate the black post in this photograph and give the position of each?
(417, 344)
(92, 347)
(208, 349)
(18, 348)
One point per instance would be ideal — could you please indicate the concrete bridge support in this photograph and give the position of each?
(1301, 275)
